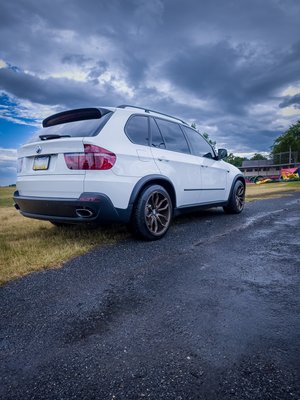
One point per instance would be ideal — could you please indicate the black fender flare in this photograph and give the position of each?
(239, 177)
(153, 179)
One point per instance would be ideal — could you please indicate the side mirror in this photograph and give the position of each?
(222, 153)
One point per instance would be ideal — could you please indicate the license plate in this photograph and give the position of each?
(41, 163)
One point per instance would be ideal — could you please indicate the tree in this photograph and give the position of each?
(258, 156)
(288, 141)
(235, 160)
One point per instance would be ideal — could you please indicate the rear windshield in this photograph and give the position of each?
(90, 127)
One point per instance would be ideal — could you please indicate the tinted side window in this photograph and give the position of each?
(199, 146)
(156, 138)
(137, 130)
(173, 136)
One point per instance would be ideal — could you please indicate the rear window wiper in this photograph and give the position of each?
(49, 137)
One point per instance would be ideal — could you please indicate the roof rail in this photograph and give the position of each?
(147, 110)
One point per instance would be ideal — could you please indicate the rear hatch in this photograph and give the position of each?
(42, 167)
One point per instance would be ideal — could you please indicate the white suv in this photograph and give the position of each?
(125, 164)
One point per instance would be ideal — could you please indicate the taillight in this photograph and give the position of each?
(94, 157)
(19, 165)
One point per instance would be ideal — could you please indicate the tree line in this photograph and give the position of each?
(288, 141)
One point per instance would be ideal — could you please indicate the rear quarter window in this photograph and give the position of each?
(137, 130)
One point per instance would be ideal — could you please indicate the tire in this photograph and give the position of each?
(152, 214)
(236, 201)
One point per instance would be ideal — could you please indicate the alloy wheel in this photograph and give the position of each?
(240, 197)
(157, 213)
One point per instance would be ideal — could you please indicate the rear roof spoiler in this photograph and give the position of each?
(79, 114)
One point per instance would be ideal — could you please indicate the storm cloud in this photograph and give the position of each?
(231, 67)
(291, 101)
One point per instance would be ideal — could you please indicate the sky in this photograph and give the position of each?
(232, 67)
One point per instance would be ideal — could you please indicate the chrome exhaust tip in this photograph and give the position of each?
(84, 213)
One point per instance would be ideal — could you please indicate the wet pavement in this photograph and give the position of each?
(209, 312)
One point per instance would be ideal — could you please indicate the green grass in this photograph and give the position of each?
(28, 245)
(271, 190)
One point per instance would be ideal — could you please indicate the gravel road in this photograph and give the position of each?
(209, 312)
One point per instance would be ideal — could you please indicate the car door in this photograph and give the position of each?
(213, 171)
(173, 157)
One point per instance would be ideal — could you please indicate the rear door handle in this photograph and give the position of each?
(163, 159)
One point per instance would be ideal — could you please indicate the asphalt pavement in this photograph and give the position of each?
(209, 312)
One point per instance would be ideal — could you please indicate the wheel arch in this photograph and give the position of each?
(149, 180)
(238, 177)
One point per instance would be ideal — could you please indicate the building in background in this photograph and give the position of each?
(270, 168)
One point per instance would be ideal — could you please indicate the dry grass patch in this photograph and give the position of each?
(6, 194)
(28, 245)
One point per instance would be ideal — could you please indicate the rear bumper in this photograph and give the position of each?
(89, 207)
